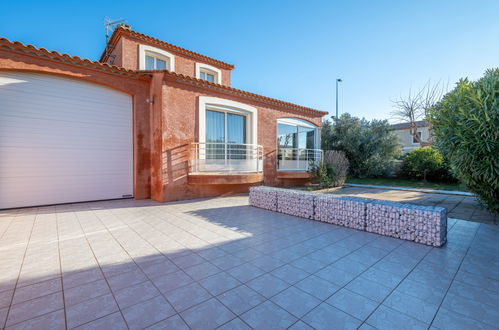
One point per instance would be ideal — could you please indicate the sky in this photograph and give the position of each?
(291, 50)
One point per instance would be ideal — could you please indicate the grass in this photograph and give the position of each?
(409, 183)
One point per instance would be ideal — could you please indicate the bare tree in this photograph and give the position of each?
(415, 107)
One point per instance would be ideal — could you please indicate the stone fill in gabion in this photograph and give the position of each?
(421, 224)
(297, 203)
(264, 197)
(344, 211)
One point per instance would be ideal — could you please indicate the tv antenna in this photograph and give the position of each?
(110, 25)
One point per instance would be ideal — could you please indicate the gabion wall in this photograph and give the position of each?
(421, 224)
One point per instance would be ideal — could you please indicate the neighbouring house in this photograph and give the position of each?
(407, 140)
(149, 120)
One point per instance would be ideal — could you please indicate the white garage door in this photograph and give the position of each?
(62, 140)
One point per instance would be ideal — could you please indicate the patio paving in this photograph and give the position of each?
(459, 207)
(220, 263)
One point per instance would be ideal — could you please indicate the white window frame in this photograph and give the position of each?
(144, 49)
(201, 67)
(223, 105)
(302, 123)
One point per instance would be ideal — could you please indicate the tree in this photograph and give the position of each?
(466, 129)
(416, 106)
(370, 146)
(326, 132)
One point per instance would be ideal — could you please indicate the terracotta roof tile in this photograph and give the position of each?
(16, 46)
(120, 30)
(186, 80)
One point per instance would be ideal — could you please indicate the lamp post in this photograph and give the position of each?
(337, 81)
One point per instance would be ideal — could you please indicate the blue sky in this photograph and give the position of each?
(291, 50)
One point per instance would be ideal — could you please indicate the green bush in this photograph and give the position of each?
(466, 132)
(322, 174)
(425, 164)
(370, 146)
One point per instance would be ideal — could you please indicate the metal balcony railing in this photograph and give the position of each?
(215, 157)
(297, 159)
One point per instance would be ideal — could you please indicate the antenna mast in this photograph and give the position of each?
(110, 25)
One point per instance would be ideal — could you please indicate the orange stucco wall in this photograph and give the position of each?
(129, 50)
(180, 128)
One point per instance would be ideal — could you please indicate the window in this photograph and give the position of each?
(155, 61)
(152, 58)
(208, 73)
(416, 140)
(297, 141)
(224, 129)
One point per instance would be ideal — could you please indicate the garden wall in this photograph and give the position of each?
(421, 224)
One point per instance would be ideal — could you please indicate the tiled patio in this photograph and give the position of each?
(220, 263)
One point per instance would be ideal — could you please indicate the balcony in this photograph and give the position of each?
(295, 162)
(226, 163)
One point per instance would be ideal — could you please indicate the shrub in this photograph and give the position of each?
(339, 165)
(465, 128)
(425, 164)
(370, 146)
(321, 174)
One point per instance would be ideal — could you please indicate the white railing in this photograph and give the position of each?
(215, 157)
(297, 159)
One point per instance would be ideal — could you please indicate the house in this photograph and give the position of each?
(407, 140)
(149, 120)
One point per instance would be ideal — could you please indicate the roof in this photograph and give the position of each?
(123, 30)
(199, 83)
(18, 47)
(420, 123)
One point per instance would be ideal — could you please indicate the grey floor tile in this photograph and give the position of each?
(335, 275)
(84, 292)
(387, 318)
(187, 296)
(428, 294)
(473, 309)
(300, 325)
(447, 320)
(268, 316)
(202, 271)
(353, 304)
(290, 274)
(246, 272)
(268, 285)
(241, 299)
(369, 289)
(174, 322)
(159, 269)
(35, 307)
(235, 324)
(411, 306)
(147, 313)
(53, 321)
(136, 293)
(267, 263)
(189, 260)
(387, 279)
(207, 315)
(71, 280)
(326, 316)
(219, 283)
(317, 287)
(90, 310)
(111, 322)
(296, 301)
(172, 281)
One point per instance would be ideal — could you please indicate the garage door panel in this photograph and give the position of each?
(62, 140)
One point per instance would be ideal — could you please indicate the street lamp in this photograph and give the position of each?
(337, 81)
